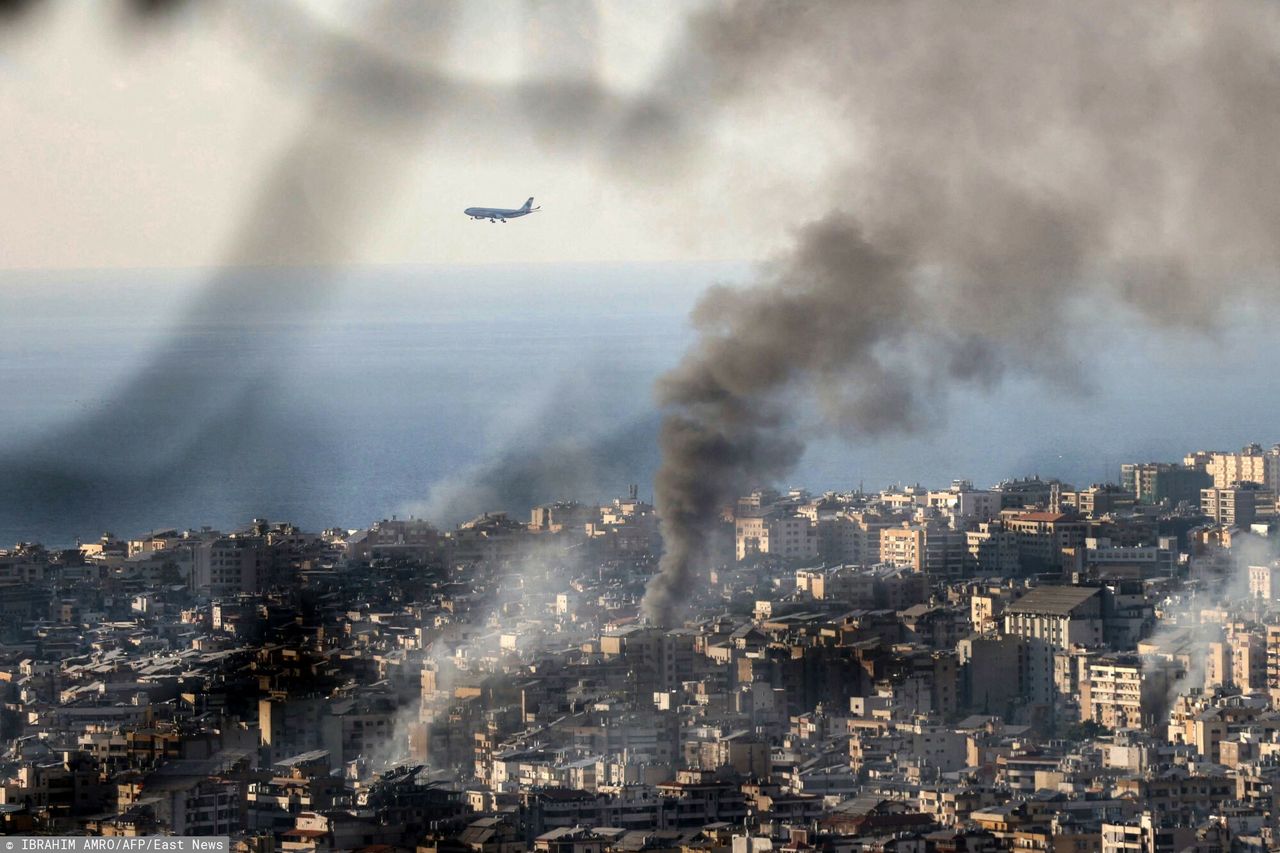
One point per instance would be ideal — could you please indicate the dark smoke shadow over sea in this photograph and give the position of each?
(97, 474)
(208, 421)
(376, 94)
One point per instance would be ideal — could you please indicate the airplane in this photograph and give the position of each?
(501, 214)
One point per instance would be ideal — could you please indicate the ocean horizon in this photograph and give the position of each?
(449, 391)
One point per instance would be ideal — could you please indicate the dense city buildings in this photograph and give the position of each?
(1027, 667)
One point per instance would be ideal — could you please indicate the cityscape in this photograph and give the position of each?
(854, 454)
(1030, 666)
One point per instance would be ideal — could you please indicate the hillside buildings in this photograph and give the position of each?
(1027, 667)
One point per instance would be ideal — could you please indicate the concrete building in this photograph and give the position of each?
(1252, 464)
(1146, 835)
(1126, 691)
(1044, 538)
(1053, 619)
(562, 516)
(1238, 505)
(1264, 582)
(1164, 482)
(992, 550)
(1273, 662)
(413, 538)
(1061, 616)
(660, 660)
(1097, 500)
(930, 547)
(1248, 650)
(780, 533)
(229, 565)
(1027, 493)
(1103, 558)
(995, 673)
(963, 502)
(851, 537)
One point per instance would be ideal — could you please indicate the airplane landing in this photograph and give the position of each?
(501, 214)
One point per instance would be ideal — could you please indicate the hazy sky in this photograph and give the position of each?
(142, 146)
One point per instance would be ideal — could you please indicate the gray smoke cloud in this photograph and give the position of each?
(1009, 168)
(1223, 585)
(552, 465)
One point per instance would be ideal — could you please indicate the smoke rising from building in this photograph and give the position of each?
(560, 463)
(1009, 170)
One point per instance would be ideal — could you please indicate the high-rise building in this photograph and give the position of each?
(1252, 464)
(1273, 663)
(1161, 482)
(930, 547)
(1239, 505)
(1044, 537)
(1061, 616)
(1248, 661)
(1264, 581)
(782, 533)
(851, 537)
(992, 549)
(1238, 661)
(1053, 619)
(1126, 691)
(1097, 500)
(230, 565)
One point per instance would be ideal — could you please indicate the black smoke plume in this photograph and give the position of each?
(1009, 169)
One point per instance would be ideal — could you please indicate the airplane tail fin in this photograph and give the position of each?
(528, 205)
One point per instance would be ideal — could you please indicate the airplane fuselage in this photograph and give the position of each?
(500, 214)
(494, 213)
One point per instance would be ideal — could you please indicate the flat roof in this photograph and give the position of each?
(1053, 600)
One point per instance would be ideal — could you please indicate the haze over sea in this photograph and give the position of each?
(414, 380)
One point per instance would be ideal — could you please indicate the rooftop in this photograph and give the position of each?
(1053, 600)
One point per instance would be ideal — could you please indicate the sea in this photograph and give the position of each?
(134, 400)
